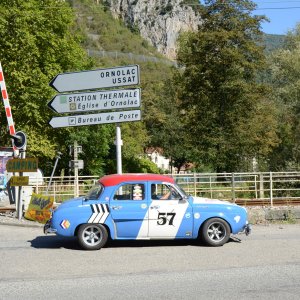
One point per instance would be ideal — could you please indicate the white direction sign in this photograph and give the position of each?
(93, 119)
(95, 79)
(98, 100)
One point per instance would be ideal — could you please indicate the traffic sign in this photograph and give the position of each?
(19, 180)
(22, 165)
(98, 100)
(95, 79)
(76, 164)
(93, 119)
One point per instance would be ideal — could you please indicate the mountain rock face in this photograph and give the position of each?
(158, 21)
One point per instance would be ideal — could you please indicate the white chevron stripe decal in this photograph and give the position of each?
(94, 214)
(99, 213)
(105, 215)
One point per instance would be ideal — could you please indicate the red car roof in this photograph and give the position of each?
(115, 179)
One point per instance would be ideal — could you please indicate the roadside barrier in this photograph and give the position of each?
(261, 188)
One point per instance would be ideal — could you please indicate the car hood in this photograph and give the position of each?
(71, 203)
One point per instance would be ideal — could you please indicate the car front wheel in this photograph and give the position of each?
(92, 236)
(215, 232)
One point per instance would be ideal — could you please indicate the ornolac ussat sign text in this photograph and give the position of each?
(89, 80)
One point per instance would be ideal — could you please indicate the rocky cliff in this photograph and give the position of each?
(158, 21)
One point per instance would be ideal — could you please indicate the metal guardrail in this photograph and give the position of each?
(267, 188)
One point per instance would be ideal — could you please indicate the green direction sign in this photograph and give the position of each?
(22, 165)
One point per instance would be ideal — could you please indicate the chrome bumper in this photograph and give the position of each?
(48, 229)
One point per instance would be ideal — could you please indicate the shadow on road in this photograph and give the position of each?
(56, 242)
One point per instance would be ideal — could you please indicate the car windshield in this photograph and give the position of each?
(94, 192)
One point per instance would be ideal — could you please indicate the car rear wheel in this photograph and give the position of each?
(92, 236)
(215, 232)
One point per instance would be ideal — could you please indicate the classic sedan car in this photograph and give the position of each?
(145, 207)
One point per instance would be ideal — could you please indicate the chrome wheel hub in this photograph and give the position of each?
(92, 236)
(216, 232)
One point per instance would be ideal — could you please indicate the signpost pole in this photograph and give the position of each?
(119, 148)
(20, 198)
(76, 191)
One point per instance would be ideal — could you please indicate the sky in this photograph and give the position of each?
(283, 15)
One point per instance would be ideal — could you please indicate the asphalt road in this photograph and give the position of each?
(264, 265)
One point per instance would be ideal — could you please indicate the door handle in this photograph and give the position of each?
(154, 207)
(116, 207)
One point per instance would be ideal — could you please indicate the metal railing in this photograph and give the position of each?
(251, 188)
(267, 188)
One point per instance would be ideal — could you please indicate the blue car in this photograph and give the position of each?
(145, 207)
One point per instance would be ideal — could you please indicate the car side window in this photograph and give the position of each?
(161, 191)
(130, 192)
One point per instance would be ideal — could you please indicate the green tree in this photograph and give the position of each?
(224, 104)
(37, 42)
(171, 135)
(285, 80)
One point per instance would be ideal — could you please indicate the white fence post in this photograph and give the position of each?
(261, 186)
(255, 185)
(210, 187)
(271, 189)
(232, 187)
(195, 188)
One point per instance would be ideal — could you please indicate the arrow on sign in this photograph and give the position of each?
(98, 100)
(93, 119)
(95, 79)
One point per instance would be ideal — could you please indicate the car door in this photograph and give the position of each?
(169, 215)
(128, 206)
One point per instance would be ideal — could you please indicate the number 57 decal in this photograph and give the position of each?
(165, 218)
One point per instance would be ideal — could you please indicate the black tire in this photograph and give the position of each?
(92, 236)
(215, 232)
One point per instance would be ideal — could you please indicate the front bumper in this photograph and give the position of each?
(247, 229)
(48, 229)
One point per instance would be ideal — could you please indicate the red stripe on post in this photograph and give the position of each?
(1, 76)
(8, 112)
(4, 94)
(12, 129)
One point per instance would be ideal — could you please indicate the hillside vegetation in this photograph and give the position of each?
(273, 42)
